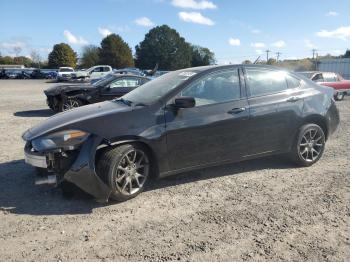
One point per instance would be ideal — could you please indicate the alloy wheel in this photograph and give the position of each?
(70, 104)
(311, 145)
(131, 172)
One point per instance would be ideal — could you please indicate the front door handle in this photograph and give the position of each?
(236, 110)
(293, 99)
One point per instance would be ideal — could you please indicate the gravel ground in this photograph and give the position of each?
(263, 209)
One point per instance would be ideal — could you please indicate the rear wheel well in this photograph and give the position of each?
(154, 167)
(318, 120)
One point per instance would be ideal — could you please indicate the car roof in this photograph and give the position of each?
(218, 67)
(128, 74)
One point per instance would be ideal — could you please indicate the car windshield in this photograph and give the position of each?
(153, 90)
(307, 74)
(104, 80)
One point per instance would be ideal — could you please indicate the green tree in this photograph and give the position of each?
(247, 62)
(201, 56)
(90, 56)
(271, 61)
(163, 45)
(115, 52)
(62, 55)
(22, 60)
(6, 60)
(347, 54)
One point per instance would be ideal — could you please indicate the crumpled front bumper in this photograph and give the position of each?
(81, 173)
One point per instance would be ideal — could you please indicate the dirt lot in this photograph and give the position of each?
(256, 210)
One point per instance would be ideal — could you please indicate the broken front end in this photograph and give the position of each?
(67, 156)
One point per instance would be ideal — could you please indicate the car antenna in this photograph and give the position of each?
(154, 70)
(257, 60)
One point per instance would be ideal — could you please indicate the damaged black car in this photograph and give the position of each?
(65, 97)
(184, 120)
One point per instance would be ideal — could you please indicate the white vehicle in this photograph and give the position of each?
(93, 72)
(64, 73)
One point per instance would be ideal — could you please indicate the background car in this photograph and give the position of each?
(38, 74)
(65, 97)
(64, 73)
(184, 120)
(93, 72)
(331, 79)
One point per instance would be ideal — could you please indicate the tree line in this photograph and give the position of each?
(162, 46)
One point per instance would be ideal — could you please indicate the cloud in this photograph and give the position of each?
(104, 31)
(255, 31)
(258, 45)
(340, 33)
(193, 4)
(72, 39)
(144, 21)
(195, 17)
(332, 13)
(122, 28)
(259, 51)
(279, 44)
(337, 52)
(12, 45)
(309, 44)
(234, 42)
(42, 49)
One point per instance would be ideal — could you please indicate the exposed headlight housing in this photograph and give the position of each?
(67, 140)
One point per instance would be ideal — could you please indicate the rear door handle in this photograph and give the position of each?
(293, 99)
(236, 110)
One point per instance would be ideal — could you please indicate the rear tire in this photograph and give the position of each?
(339, 96)
(308, 146)
(125, 169)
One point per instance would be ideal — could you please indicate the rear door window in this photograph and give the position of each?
(264, 82)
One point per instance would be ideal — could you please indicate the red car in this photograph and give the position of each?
(337, 82)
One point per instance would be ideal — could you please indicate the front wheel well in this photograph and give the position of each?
(149, 150)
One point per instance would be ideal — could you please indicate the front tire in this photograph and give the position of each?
(70, 103)
(309, 145)
(125, 169)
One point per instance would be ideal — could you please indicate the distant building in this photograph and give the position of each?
(12, 66)
(338, 65)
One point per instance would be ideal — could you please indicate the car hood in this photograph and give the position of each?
(87, 118)
(55, 90)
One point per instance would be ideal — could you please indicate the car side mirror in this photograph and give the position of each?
(184, 102)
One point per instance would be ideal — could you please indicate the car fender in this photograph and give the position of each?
(83, 171)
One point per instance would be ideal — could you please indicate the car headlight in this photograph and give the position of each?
(68, 140)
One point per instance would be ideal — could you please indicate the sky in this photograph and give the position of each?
(233, 30)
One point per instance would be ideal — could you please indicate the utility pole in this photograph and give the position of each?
(278, 56)
(313, 58)
(313, 53)
(267, 55)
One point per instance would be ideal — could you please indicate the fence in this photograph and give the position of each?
(338, 65)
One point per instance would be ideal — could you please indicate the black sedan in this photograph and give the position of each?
(184, 120)
(65, 97)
